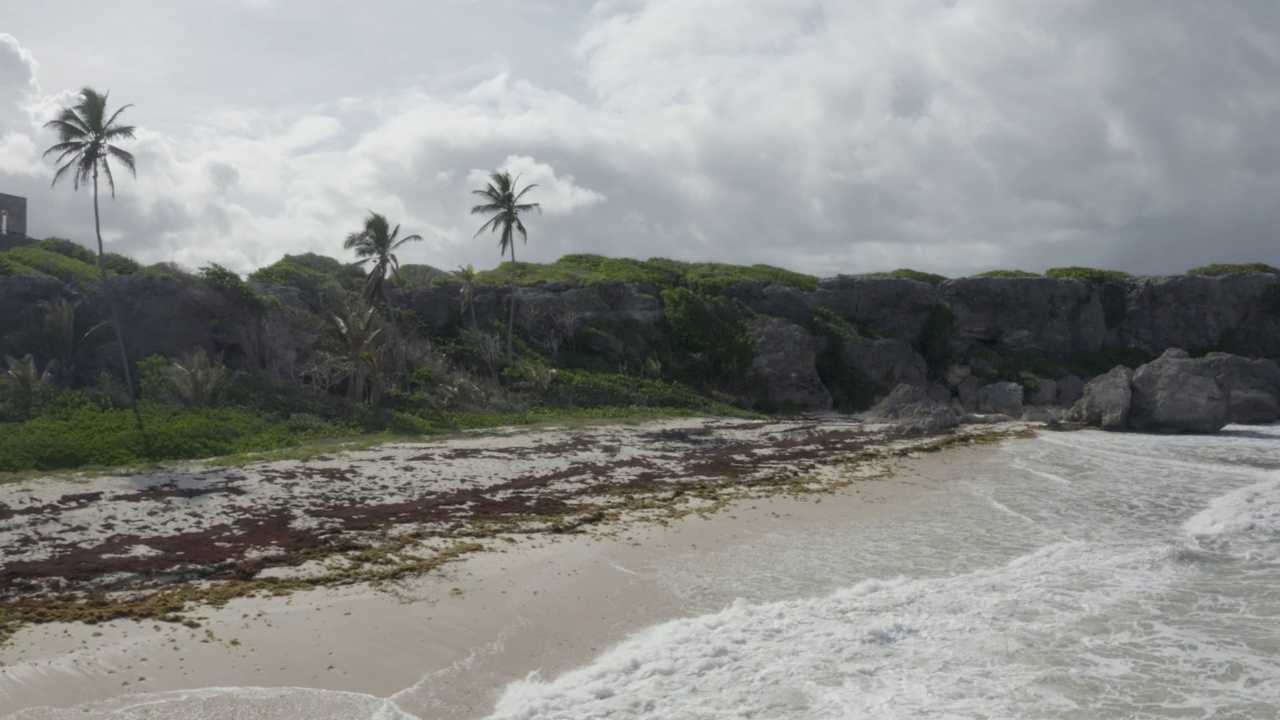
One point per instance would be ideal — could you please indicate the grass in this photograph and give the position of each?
(1007, 274)
(587, 269)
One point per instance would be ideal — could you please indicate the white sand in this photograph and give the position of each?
(443, 644)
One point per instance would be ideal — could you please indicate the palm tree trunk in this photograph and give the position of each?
(511, 319)
(111, 305)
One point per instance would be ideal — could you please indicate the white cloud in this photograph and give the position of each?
(826, 136)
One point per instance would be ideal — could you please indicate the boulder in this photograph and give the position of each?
(1253, 386)
(785, 360)
(939, 392)
(1174, 393)
(1070, 389)
(967, 392)
(909, 408)
(1044, 414)
(956, 374)
(1045, 392)
(1106, 400)
(1002, 398)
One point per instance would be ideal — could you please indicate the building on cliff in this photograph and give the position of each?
(13, 221)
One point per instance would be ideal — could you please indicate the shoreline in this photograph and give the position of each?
(448, 640)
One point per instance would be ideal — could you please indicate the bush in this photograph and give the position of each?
(1092, 275)
(68, 248)
(588, 269)
(10, 266)
(53, 264)
(231, 284)
(1007, 274)
(317, 275)
(909, 274)
(119, 264)
(708, 336)
(581, 389)
(1218, 269)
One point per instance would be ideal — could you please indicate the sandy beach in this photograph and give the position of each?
(494, 556)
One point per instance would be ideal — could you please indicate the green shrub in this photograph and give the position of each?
(119, 264)
(10, 266)
(53, 264)
(711, 278)
(165, 270)
(909, 274)
(1217, 269)
(71, 249)
(851, 389)
(317, 275)
(1007, 274)
(1092, 275)
(708, 336)
(588, 269)
(576, 388)
(230, 283)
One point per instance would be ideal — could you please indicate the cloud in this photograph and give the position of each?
(821, 136)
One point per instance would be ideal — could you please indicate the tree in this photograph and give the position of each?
(505, 206)
(85, 135)
(377, 242)
(353, 331)
(467, 293)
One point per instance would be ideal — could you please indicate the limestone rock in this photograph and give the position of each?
(1045, 316)
(887, 362)
(967, 392)
(1002, 398)
(1173, 393)
(1253, 386)
(1106, 400)
(1070, 389)
(1044, 392)
(1044, 414)
(785, 360)
(909, 408)
(956, 374)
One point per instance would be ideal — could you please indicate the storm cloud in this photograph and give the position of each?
(826, 137)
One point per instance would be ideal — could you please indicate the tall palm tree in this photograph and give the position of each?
(85, 135)
(467, 293)
(377, 242)
(505, 206)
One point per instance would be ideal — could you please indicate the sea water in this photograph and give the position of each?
(1076, 575)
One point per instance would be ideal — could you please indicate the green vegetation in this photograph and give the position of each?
(1007, 274)
(663, 274)
(1217, 269)
(1092, 275)
(503, 207)
(41, 261)
(851, 389)
(709, 340)
(909, 274)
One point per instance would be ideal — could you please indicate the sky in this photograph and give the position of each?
(829, 137)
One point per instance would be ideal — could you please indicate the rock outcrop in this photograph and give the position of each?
(908, 407)
(1253, 386)
(886, 362)
(1106, 400)
(1002, 398)
(1174, 393)
(785, 362)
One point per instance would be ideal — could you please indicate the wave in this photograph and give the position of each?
(1254, 509)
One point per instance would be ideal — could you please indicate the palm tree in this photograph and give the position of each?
(504, 204)
(85, 135)
(467, 294)
(377, 242)
(353, 330)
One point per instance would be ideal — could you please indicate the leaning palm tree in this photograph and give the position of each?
(505, 206)
(377, 242)
(467, 293)
(86, 134)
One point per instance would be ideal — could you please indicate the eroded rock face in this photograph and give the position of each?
(1106, 400)
(1253, 386)
(908, 407)
(785, 360)
(1046, 316)
(897, 308)
(1174, 393)
(1002, 398)
(887, 362)
(782, 301)
(1070, 389)
(1193, 311)
(1044, 392)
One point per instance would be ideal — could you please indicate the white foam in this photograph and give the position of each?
(1252, 509)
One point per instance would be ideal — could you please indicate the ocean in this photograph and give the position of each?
(1074, 575)
(1077, 575)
